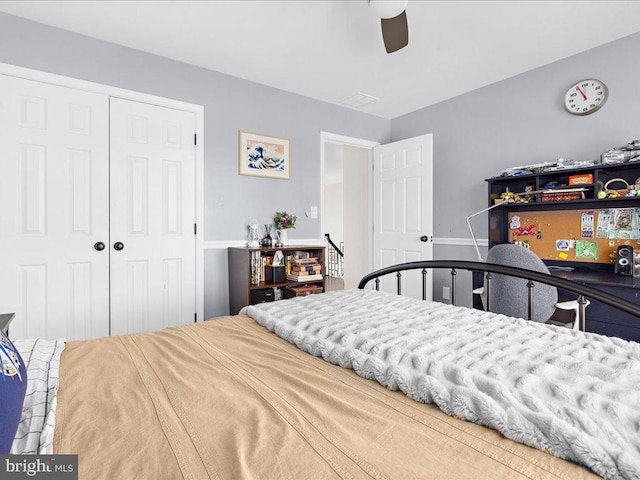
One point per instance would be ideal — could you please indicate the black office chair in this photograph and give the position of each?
(510, 295)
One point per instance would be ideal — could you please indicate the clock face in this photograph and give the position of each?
(586, 97)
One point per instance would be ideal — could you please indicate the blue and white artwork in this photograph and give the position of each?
(264, 156)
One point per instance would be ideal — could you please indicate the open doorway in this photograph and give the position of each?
(346, 208)
(334, 215)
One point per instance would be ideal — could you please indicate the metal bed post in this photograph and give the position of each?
(399, 276)
(530, 286)
(582, 305)
(378, 283)
(453, 286)
(488, 289)
(424, 284)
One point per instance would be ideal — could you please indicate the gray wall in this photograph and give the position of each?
(520, 121)
(231, 104)
(514, 122)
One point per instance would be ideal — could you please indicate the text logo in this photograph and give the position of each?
(39, 467)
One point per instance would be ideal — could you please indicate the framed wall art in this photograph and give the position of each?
(264, 156)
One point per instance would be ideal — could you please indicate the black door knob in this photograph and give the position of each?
(118, 246)
(99, 246)
(424, 238)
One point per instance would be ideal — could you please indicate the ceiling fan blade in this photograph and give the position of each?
(395, 32)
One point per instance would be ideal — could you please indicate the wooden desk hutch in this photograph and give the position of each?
(556, 216)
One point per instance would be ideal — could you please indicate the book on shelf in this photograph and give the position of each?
(304, 261)
(303, 288)
(254, 267)
(301, 291)
(304, 278)
(306, 274)
(292, 262)
(306, 265)
(306, 268)
(258, 266)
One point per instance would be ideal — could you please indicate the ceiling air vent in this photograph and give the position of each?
(358, 100)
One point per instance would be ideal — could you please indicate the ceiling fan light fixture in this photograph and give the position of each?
(388, 8)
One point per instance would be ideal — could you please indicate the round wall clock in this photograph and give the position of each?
(585, 97)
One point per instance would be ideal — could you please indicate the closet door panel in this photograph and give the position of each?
(152, 216)
(53, 209)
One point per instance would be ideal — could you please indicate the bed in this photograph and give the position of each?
(350, 384)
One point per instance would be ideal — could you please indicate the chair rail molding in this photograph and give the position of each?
(463, 242)
(214, 244)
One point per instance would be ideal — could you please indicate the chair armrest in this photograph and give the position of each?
(569, 305)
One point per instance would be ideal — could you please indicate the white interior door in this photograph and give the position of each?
(152, 217)
(53, 210)
(403, 210)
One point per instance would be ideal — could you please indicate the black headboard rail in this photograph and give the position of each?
(580, 289)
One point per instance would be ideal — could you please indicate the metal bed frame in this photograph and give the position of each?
(583, 291)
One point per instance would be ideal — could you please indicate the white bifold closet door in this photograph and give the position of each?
(152, 217)
(54, 194)
(81, 175)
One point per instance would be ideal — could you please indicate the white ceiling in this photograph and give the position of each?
(330, 50)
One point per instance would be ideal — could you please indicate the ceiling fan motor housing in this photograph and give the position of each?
(388, 8)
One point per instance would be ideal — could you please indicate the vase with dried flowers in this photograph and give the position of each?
(284, 221)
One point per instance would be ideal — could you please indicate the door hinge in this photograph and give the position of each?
(195, 138)
(195, 318)
(195, 228)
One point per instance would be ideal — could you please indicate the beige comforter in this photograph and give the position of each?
(227, 399)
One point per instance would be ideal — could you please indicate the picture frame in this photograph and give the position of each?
(263, 156)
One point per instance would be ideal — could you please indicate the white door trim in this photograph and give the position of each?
(326, 137)
(198, 110)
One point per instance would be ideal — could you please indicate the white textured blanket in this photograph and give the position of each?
(574, 394)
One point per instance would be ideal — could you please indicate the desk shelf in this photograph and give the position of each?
(622, 202)
(629, 171)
